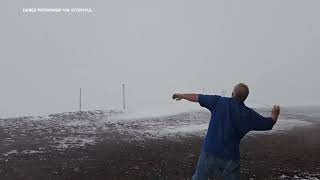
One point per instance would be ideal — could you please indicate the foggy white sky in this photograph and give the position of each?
(156, 48)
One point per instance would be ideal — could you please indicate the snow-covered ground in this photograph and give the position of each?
(301, 176)
(284, 125)
(73, 129)
(62, 131)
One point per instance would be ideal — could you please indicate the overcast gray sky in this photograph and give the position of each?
(156, 48)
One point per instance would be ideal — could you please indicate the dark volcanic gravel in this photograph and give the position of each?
(293, 154)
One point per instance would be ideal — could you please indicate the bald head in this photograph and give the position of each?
(241, 92)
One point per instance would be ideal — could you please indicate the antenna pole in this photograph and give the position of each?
(80, 100)
(123, 97)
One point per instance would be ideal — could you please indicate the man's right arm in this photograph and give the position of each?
(189, 97)
(207, 101)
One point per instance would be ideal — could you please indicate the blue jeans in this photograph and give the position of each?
(208, 166)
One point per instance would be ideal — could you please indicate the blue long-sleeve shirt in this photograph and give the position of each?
(230, 121)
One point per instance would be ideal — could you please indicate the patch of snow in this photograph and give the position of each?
(285, 125)
(158, 111)
(10, 152)
(184, 129)
(31, 152)
(301, 176)
(75, 129)
(74, 141)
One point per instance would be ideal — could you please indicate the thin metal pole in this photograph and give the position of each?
(80, 100)
(123, 97)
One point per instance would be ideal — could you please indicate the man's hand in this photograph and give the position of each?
(177, 97)
(275, 113)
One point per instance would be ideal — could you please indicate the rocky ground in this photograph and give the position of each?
(101, 145)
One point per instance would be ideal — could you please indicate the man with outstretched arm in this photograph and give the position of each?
(230, 121)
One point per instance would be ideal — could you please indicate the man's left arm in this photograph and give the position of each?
(260, 123)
